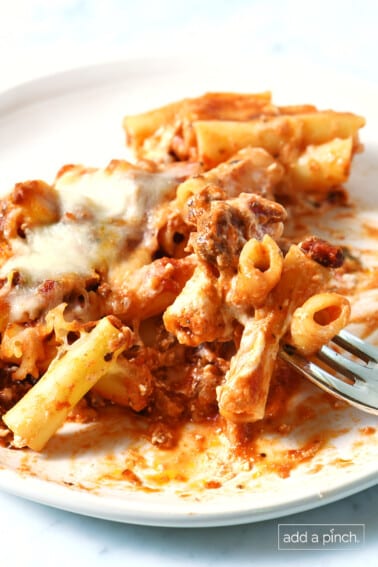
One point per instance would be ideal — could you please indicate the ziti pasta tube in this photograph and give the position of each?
(44, 408)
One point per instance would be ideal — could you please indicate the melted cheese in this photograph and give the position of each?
(25, 305)
(114, 194)
(51, 251)
(100, 211)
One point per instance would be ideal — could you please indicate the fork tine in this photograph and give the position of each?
(356, 346)
(345, 366)
(353, 394)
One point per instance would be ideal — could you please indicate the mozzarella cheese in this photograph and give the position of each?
(100, 211)
(114, 193)
(53, 250)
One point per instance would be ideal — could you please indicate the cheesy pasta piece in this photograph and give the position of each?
(45, 407)
(317, 321)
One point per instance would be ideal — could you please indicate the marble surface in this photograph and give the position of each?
(39, 37)
(34, 535)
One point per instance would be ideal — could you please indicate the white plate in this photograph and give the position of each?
(76, 117)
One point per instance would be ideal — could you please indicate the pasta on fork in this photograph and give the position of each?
(166, 285)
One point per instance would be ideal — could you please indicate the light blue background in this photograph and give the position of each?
(37, 36)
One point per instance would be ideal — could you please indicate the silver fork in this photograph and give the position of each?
(356, 383)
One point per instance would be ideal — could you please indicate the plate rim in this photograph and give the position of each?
(86, 503)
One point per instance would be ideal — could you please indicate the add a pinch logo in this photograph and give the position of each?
(292, 537)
